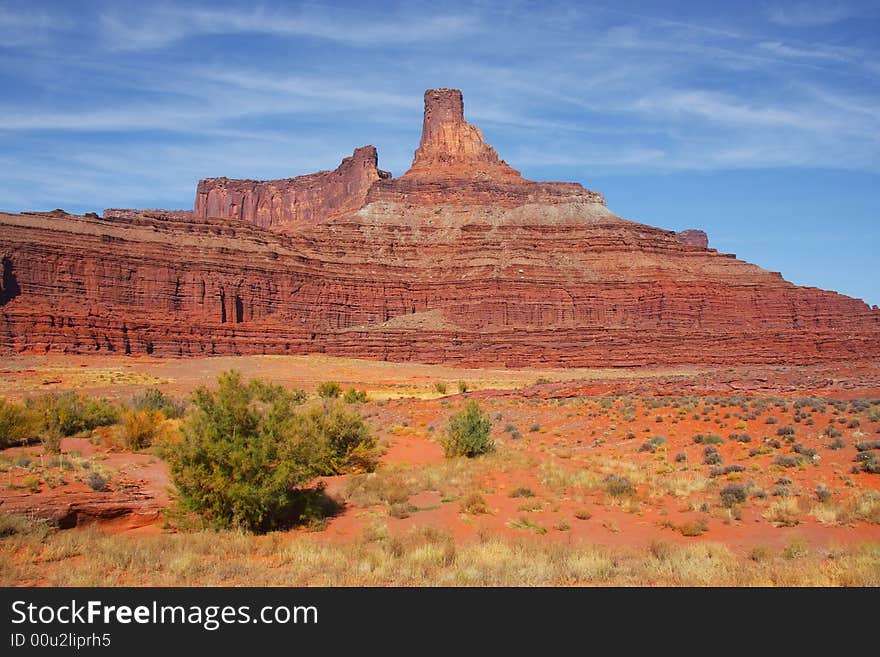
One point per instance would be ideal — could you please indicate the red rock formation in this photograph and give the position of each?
(453, 148)
(482, 269)
(693, 237)
(292, 203)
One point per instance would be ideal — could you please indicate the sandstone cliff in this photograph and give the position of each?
(459, 260)
(292, 203)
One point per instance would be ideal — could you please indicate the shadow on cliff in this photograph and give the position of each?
(9, 288)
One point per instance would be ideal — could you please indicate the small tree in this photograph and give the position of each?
(246, 452)
(234, 464)
(468, 432)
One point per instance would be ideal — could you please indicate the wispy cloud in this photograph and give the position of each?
(30, 27)
(156, 27)
(810, 14)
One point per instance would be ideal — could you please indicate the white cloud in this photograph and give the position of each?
(810, 14)
(158, 27)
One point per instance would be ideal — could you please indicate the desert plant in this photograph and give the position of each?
(140, 428)
(462, 386)
(711, 456)
(468, 432)
(474, 504)
(329, 389)
(865, 445)
(240, 464)
(18, 424)
(71, 412)
(707, 439)
(618, 486)
(154, 399)
(787, 460)
(97, 482)
(440, 387)
(733, 494)
(522, 491)
(353, 396)
(332, 439)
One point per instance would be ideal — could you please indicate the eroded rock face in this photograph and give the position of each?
(460, 260)
(453, 148)
(292, 203)
(694, 237)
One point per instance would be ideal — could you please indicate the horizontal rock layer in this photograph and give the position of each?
(482, 286)
(291, 203)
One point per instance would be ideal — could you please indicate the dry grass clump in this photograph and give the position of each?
(33, 553)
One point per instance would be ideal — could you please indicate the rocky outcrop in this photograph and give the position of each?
(694, 237)
(453, 148)
(292, 203)
(482, 269)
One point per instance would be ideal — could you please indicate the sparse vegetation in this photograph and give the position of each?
(468, 432)
(329, 390)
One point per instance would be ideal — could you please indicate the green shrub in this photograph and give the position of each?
(243, 460)
(71, 412)
(334, 440)
(155, 400)
(17, 424)
(462, 386)
(440, 387)
(353, 396)
(468, 432)
(329, 390)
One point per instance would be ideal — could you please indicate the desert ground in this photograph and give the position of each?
(644, 476)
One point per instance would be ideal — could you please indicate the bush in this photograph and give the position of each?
(97, 482)
(681, 457)
(522, 491)
(837, 443)
(155, 400)
(335, 439)
(440, 387)
(462, 386)
(474, 504)
(353, 396)
(727, 469)
(864, 446)
(468, 432)
(711, 456)
(17, 424)
(785, 431)
(241, 463)
(787, 460)
(70, 413)
(708, 439)
(140, 428)
(733, 494)
(329, 390)
(618, 486)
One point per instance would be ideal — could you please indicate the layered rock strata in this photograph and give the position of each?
(460, 260)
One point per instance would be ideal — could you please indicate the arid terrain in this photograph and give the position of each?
(683, 476)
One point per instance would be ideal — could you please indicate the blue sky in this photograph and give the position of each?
(757, 122)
